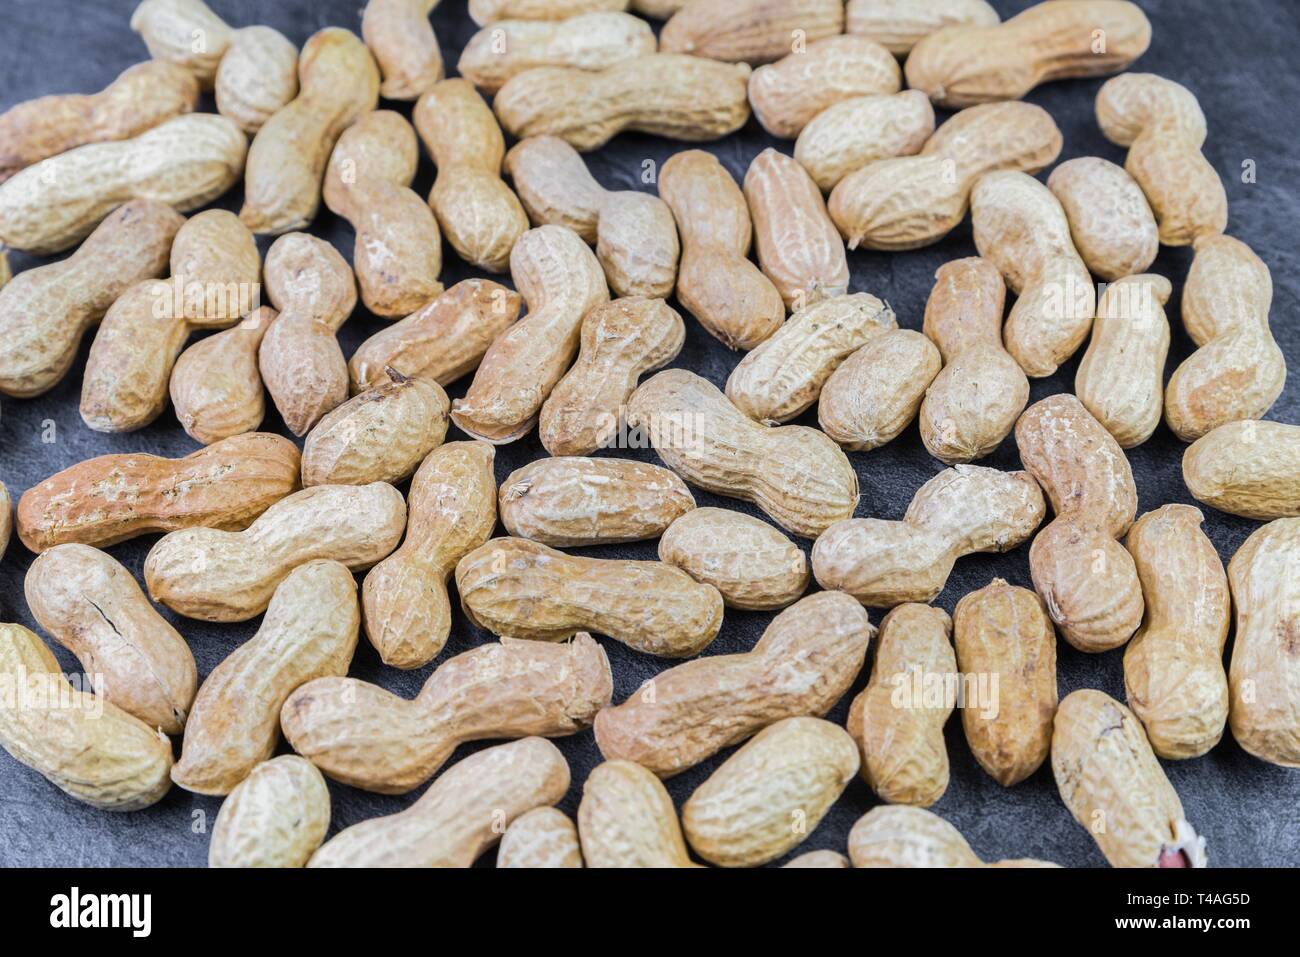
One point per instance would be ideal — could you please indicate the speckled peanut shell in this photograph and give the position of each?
(484, 12)
(1111, 222)
(754, 566)
(216, 389)
(875, 393)
(962, 510)
(461, 815)
(901, 836)
(1114, 787)
(275, 817)
(787, 94)
(571, 501)
(784, 375)
(899, 25)
(45, 311)
(542, 838)
(231, 576)
(795, 474)
(900, 739)
(749, 31)
(89, 748)
(768, 796)
(1247, 468)
(854, 133)
(627, 819)
(402, 40)
(833, 859)
(185, 32)
(258, 76)
(1264, 677)
(364, 736)
(452, 509)
(89, 603)
(110, 498)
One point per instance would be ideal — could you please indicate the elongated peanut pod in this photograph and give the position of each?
(275, 817)
(216, 388)
(542, 838)
(258, 76)
(903, 836)
(1247, 468)
(400, 36)
(752, 564)
(627, 819)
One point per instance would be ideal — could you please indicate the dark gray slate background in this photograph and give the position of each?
(1239, 58)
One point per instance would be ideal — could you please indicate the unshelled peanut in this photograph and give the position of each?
(913, 837)
(753, 565)
(875, 393)
(542, 838)
(1111, 222)
(831, 859)
(275, 817)
(854, 133)
(6, 518)
(258, 76)
(899, 25)
(185, 32)
(402, 40)
(1247, 468)
(484, 12)
(216, 388)
(750, 31)
(627, 819)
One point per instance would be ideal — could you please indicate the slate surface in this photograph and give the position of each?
(1238, 58)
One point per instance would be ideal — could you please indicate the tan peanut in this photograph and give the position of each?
(854, 133)
(1084, 575)
(875, 393)
(1003, 632)
(402, 40)
(275, 817)
(89, 748)
(231, 576)
(768, 796)
(541, 838)
(787, 94)
(452, 510)
(1121, 378)
(570, 501)
(1022, 230)
(1173, 667)
(479, 215)
(898, 25)
(484, 12)
(634, 233)
(750, 31)
(1111, 222)
(752, 564)
(216, 389)
(110, 498)
(962, 510)
(833, 859)
(666, 94)
(784, 374)
(381, 435)
(367, 737)
(1238, 371)
(900, 738)
(258, 76)
(461, 815)
(717, 283)
(139, 99)
(299, 357)
(902, 836)
(398, 250)
(185, 162)
(1264, 679)
(1247, 468)
(185, 32)
(1113, 785)
(965, 65)
(973, 403)
(214, 283)
(89, 603)
(589, 41)
(512, 586)
(338, 82)
(1161, 123)
(45, 311)
(6, 518)
(442, 341)
(807, 658)
(309, 631)
(627, 819)
(560, 279)
(912, 201)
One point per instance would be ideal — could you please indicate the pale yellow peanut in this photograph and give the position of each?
(900, 738)
(787, 94)
(89, 748)
(795, 474)
(110, 498)
(1264, 679)
(717, 283)
(1111, 222)
(962, 510)
(402, 40)
(541, 838)
(479, 215)
(185, 32)
(1114, 787)
(902, 836)
(750, 31)
(461, 815)
(338, 82)
(570, 501)
(854, 133)
(1247, 468)
(216, 388)
(231, 576)
(833, 859)
(973, 403)
(560, 280)
(258, 76)
(45, 311)
(398, 250)
(899, 25)
(752, 564)
(275, 817)
(961, 66)
(913, 201)
(875, 393)
(367, 737)
(484, 12)
(89, 603)
(452, 510)
(627, 819)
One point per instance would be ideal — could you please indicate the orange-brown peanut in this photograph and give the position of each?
(216, 388)
(750, 31)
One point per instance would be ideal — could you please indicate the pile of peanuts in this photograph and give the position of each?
(256, 524)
